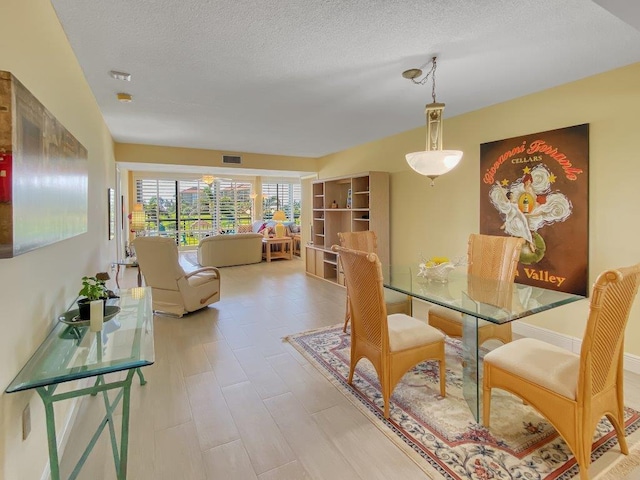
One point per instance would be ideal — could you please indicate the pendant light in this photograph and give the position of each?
(433, 161)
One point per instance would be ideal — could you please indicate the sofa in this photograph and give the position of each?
(229, 250)
(259, 226)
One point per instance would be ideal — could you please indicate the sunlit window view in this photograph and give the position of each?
(189, 210)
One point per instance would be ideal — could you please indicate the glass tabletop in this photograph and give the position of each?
(74, 352)
(490, 300)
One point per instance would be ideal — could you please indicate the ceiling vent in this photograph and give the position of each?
(234, 159)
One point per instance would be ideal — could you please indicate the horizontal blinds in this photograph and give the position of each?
(282, 196)
(190, 210)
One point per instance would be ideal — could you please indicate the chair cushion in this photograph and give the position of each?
(539, 362)
(408, 332)
(446, 313)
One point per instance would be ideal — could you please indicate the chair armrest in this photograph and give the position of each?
(204, 269)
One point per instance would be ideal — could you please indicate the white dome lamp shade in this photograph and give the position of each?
(434, 161)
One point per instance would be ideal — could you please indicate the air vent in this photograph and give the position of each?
(236, 160)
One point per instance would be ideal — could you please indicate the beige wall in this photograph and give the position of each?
(127, 152)
(39, 285)
(437, 220)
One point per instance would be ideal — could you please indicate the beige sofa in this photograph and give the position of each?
(229, 250)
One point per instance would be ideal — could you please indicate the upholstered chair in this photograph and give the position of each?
(489, 257)
(174, 291)
(573, 391)
(367, 241)
(393, 343)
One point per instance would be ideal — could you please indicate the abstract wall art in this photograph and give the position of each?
(43, 174)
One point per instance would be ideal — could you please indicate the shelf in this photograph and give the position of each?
(367, 194)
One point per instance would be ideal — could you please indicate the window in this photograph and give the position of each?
(189, 210)
(282, 196)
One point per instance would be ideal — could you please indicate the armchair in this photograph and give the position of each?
(573, 391)
(173, 290)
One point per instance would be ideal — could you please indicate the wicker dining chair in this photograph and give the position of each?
(367, 241)
(573, 391)
(489, 257)
(394, 343)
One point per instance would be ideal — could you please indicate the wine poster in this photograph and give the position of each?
(537, 187)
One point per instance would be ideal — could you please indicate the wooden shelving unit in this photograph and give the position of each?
(362, 203)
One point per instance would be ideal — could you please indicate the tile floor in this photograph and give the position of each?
(228, 399)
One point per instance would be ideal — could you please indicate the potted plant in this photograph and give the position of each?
(92, 289)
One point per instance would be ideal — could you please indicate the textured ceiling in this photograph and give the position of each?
(309, 78)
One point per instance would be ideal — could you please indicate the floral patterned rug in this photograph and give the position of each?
(440, 434)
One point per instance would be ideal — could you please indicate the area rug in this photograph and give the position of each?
(440, 434)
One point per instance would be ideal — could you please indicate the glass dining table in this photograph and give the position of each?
(480, 301)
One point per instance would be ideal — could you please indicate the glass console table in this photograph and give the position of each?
(73, 352)
(480, 301)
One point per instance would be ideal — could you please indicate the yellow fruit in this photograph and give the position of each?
(439, 260)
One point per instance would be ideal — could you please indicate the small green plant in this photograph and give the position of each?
(93, 289)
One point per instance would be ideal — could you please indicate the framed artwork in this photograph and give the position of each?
(537, 187)
(111, 200)
(44, 174)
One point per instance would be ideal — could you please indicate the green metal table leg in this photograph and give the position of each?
(112, 432)
(142, 380)
(120, 456)
(46, 395)
(99, 380)
(124, 434)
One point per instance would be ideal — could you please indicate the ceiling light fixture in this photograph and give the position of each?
(434, 161)
(120, 75)
(124, 97)
(208, 179)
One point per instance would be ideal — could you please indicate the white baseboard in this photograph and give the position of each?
(631, 362)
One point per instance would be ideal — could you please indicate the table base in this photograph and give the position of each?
(47, 393)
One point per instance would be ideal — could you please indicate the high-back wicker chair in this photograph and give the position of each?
(394, 343)
(573, 391)
(367, 241)
(488, 256)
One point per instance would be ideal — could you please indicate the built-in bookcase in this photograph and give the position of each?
(347, 204)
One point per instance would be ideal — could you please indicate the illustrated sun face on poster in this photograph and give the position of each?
(536, 187)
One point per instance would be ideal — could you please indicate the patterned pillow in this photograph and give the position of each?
(245, 229)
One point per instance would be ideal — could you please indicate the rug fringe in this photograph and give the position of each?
(623, 467)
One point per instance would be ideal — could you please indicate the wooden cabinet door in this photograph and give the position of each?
(310, 258)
